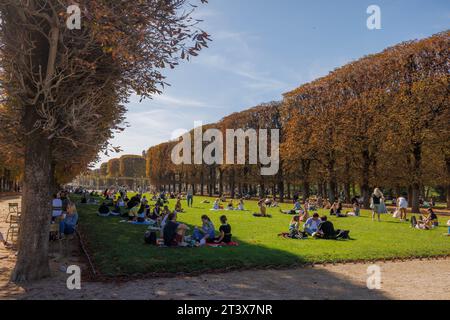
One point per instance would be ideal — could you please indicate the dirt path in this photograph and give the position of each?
(428, 279)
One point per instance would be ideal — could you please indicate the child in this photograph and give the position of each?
(225, 231)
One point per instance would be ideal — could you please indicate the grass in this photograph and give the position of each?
(118, 249)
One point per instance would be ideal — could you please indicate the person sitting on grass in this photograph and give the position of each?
(133, 213)
(141, 213)
(294, 229)
(419, 224)
(68, 224)
(230, 205)
(217, 205)
(326, 231)
(178, 207)
(356, 210)
(173, 232)
(274, 203)
(165, 211)
(206, 233)
(225, 231)
(312, 224)
(241, 205)
(425, 223)
(262, 210)
(103, 210)
(133, 202)
(336, 208)
(431, 219)
(296, 210)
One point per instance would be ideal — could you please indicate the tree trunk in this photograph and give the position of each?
(417, 177)
(32, 259)
(365, 188)
(415, 198)
(347, 192)
(281, 190)
(447, 163)
(305, 191)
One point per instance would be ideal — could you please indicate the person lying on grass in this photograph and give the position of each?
(173, 232)
(262, 210)
(297, 209)
(225, 231)
(312, 224)
(206, 233)
(103, 210)
(326, 231)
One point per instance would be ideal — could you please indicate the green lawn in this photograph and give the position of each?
(118, 248)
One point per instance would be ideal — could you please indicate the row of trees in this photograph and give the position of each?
(380, 121)
(62, 91)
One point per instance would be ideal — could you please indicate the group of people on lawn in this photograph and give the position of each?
(138, 210)
(315, 226)
(174, 233)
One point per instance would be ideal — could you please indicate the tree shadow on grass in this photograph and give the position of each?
(119, 252)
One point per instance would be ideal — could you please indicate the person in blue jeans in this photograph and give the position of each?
(68, 224)
(206, 233)
(190, 196)
(312, 224)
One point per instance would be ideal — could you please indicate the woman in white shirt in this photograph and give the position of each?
(402, 205)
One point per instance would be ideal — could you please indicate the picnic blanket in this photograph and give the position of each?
(222, 244)
(145, 223)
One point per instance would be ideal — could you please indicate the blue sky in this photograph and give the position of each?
(263, 48)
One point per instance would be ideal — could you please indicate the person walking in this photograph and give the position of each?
(190, 196)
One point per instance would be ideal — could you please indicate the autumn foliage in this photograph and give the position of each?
(382, 120)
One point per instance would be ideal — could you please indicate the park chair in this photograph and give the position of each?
(13, 230)
(13, 209)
